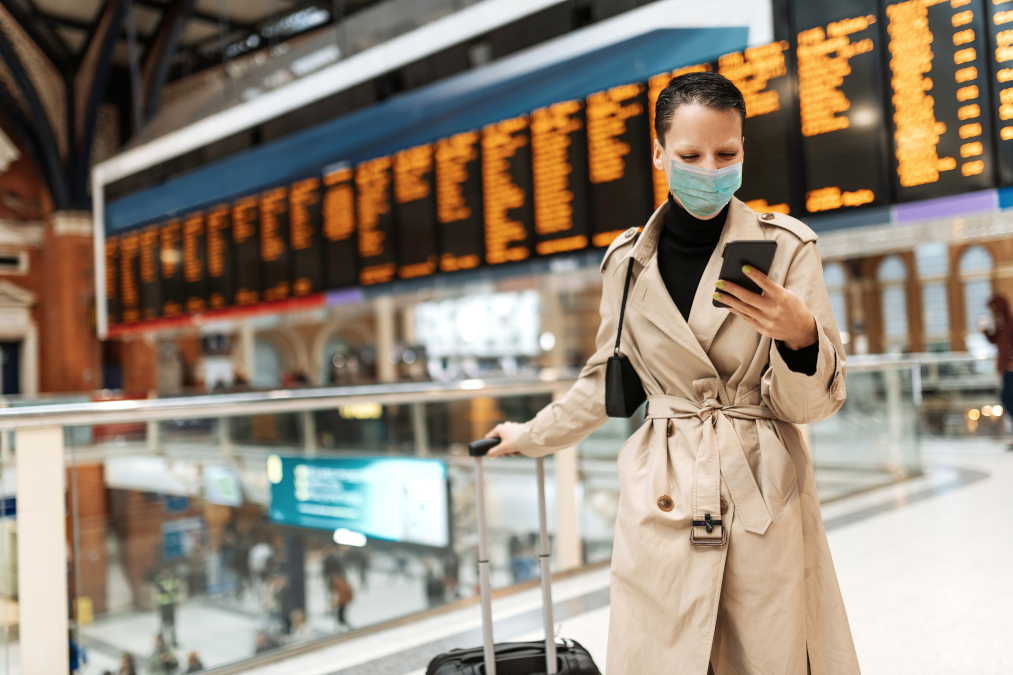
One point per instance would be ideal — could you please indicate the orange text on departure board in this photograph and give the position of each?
(607, 112)
(1004, 76)
(918, 131)
(244, 212)
(339, 205)
(129, 293)
(411, 167)
(752, 70)
(372, 181)
(273, 204)
(302, 196)
(112, 248)
(823, 63)
(654, 88)
(550, 146)
(500, 143)
(193, 229)
(217, 223)
(169, 256)
(452, 157)
(149, 244)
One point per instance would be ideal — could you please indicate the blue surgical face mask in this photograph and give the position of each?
(704, 192)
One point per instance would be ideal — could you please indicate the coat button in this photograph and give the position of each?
(724, 507)
(671, 428)
(665, 503)
(630, 232)
(767, 216)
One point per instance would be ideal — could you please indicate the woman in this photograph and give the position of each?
(752, 591)
(1001, 336)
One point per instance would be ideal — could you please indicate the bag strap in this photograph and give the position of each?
(622, 308)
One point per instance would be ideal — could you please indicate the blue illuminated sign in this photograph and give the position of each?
(393, 498)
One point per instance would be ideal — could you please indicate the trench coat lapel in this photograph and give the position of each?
(704, 318)
(650, 298)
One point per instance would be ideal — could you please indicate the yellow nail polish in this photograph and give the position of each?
(720, 284)
(717, 296)
(747, 269)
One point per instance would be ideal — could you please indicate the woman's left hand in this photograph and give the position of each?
(777, 314)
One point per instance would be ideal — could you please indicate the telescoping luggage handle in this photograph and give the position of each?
(478, 450)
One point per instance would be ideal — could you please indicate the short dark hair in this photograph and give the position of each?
(708, 89)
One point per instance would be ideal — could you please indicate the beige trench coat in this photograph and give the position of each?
(720, 441)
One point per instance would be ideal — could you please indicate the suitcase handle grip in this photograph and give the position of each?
(481, 448)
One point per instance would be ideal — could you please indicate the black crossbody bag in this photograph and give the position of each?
(624, 392)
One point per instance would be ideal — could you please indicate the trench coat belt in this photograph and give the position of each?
(720, 454)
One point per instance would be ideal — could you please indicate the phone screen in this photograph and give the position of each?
(757, 254)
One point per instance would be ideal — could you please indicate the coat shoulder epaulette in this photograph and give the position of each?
(626, 238)
(793, 225)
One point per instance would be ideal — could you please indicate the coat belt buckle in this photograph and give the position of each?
(709, 523)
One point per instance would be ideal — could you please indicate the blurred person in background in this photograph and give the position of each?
(127, 666)
(280, 601)
(264, 643)
(341, 596)
(258, 561)
(167, 587)
(1001, 335)
(707, 567)
(162, 660)
(193, 663)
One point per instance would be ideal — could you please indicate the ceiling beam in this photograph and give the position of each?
(197, 14)
(77, 24)
(52, 164)
(174, 21)
(39, 32)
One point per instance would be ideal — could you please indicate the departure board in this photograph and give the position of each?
(999, 20)
(148, 266)
(619, 161)
(195, 288)
(305, 221)
(130, 287)
(941, 121)
(375, 221)
(246, 250)
(415, 196)
(506, 191)
(560, 177)
(840, 89)
(274, 253)
(659, 184)
(341, 260)
(171, 266)
(220, 266)
(761, 74)
(459, 201)
(112, 254)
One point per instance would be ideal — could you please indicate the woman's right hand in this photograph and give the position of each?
(506, 432)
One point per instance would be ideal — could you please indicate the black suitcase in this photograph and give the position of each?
(552, 657)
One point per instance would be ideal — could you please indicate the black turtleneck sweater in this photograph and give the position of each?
(684, 249)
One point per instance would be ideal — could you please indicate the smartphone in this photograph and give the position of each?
(757, 254)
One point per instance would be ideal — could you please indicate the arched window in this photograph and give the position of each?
(892, 276)
(836, 280)
(976, 278)
(334, 347)
(933, 263)
(266, 365)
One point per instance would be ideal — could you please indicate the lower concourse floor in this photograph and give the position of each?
(924, 566)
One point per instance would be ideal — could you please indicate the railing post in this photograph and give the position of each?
(419, 429)
(569, 553)
(42, 552)
(309, 433)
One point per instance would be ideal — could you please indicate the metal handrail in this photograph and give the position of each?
(278, 401)
(866, 362)
(325, 398)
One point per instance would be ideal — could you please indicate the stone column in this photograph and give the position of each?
(42, 552)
